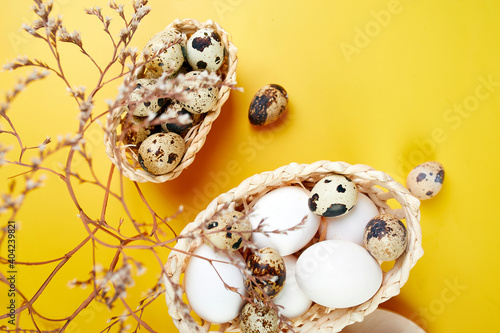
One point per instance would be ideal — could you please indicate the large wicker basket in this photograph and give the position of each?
(379, 186)
(126, 159)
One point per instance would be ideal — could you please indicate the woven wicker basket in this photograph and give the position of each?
(126, 159)
(379, 186)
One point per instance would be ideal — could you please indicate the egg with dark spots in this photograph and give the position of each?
(139, 105)
(205, 51)
(226, 230)
(178, 120)
(425, 180)
(268, 272)
(198, 99)
(334, 195)
(255, 318)
(160, 153)
(166, 49)
(385, 237)
(135, 131)
(268, 104)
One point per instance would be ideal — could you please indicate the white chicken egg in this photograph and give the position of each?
(293, 300)
(283, 209)
(205, 291)
(338, 274)
(351, 227)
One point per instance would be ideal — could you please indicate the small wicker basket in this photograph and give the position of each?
(379, 186)
(126, 159)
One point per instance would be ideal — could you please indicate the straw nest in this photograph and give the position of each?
(389, 196)
(126, 159)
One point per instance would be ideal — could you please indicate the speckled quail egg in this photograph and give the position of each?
(178, 119)
(144, 109)
(160, 153)
(198, 99)
(385, 237)
(232, 227)
(333, 195)
(171, 58)
(258, 319)
(268, 272)
(268, 104)
(133, 130)
(426, 180)
(205, 51)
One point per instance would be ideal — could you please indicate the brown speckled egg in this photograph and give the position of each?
(205, 51)
(267, 105)
(385, 237)
(258, 319)
(144, 109)
(198, 99)
(333, 195)
(160, 153)
(171, 58)
(134, 132)
(228, 223)
(268, 268)
(425, 180)
(178, 119)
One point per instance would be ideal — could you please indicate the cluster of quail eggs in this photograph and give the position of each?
(293, 269)
(160, 147)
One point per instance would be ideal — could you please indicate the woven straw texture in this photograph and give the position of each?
(379, 186)
(126, 160)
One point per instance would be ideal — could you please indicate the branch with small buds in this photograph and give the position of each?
(107, 282)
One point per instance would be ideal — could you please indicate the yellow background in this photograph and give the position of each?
(373, 82)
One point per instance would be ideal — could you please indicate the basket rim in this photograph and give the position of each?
(378, 185)
(118, 154)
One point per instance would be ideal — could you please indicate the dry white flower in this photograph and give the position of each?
(71, 284)
(29, 29)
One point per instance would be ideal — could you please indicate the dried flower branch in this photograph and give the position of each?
(108, 283)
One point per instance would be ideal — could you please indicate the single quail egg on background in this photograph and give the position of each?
(268, 267)
(171, 58)
(258, 319)
(385, 237)
(178, 119)
(228, 223)
(199, 99)
(144, 109)
(205, 51)
(134, 132)
(333, 195)
(268, 104)
(160, 153)
(426, 180)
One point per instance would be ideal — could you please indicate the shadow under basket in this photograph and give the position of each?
(379, 186)
(126, 159)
